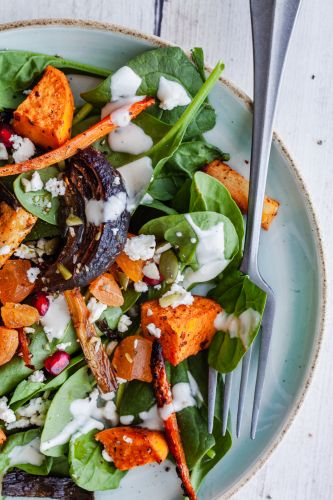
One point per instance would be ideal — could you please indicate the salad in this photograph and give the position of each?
(121, 236)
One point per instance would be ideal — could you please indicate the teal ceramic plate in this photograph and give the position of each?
(291, 260)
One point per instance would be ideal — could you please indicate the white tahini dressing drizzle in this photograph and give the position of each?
(80, 84)
(119, 110)
(124, 83)
(209, 253)
(130, 139)
(171, 94)
(137, 176)
(85, 418)
(27, 454)
(151, 419)
(238, 326)
(57, 317)
(182, 397)
(99, 211)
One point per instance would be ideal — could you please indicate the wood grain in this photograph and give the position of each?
(301, 468)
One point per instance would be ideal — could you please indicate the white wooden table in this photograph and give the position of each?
(302, 466)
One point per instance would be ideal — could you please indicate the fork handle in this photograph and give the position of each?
(272, 24)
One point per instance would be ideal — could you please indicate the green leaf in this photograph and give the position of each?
(138, 396)
(42, 229)
(158, 205)
(112, 316)
(37, 202)
(198, 59)
(78, 386)
(19, 69)
(130, 299)
(60, 466)
(88, 468)
(235, 293)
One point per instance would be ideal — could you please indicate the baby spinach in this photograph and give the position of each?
(137, 397)
(130, 299)
(88, 468)
(42, 229)
(19, 69)
(60, 466)
(39, 203)
(235, 293)
(22, 439)
(77, 386)
(198, 59)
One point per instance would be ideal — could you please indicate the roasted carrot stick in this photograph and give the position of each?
(164, 399)
(71, 147)
(92, 346)
(24, 348)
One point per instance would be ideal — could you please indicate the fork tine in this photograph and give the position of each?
(266, 335)
(212, 384)
(226, 401)
(242, 389)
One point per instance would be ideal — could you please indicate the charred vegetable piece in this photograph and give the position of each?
(131, 447)
(14, 283)
(90, 249)
(92, 346)
(15, 224)
(24, 348)
(3, 437)
(9, 342)
(46, 115)
(74, 145)
(131, 359)
(18, 483)
(164, 400)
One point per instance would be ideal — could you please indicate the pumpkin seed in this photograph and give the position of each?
(73, 220)
(169, 266)
(123, 280)
(66, 274)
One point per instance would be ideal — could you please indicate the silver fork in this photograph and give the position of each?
(272, 25)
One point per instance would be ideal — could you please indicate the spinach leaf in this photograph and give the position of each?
(78, 386)
(137, 397)
(111, 316)
(19, 69)
(88, 468)
(42, 229)
(235, 293)
(60, 466)
(39, 203)
(23, 439)
(198, 59)
(158, 205)
(130, 299)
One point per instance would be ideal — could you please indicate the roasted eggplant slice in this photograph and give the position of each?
(94, 221)
(18, 483)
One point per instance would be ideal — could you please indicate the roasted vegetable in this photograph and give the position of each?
(15, 224)
(185, 330)
(46, 115)
(92, 346)
(24, 348)
(106, 289)
(8, 344)
(132, 268)
(14, 283)
(3, 437)
(18, 315)
(238, 187)
(164, 400)
(131, 359)
(131, 447)
(17, 483)
(89, 249)
(73, 146)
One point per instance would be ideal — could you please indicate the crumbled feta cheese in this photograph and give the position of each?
(56, 187)
(21, 423)
(124, 323)
(127, 439)
(108, 396)
(95, 308)
(163, 248)
(5, 250)
(140, 287)
(3, 152)
(179, 234)
(35, 411)
(153, 330)
(176, 296)
(25, 252)
(37, 376)
(6, 414)
(157, 287)
(106, 456)
(28, 329)
(140, 247)
(149, 312)
(115, 231)
(179, 277)
(32, 274)
(23, 148)
(126, 419)
(193, 240)
(63, 346)
(171, 94)
(151, 271)
(47, 246)
(116, 181)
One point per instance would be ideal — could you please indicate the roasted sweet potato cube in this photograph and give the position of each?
(185, 330)
(3, 437)
(106, 289)
(131, 447)
(19, 315)
(8, 344)
(46, 115)
(131, 359)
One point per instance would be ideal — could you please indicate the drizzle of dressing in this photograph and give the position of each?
(182, 397)
(209, 253)
(80, 84)
(99, 211)
(56, 318)
(119, 110)
(137, 176)
(130, 139)
(238, 326)
(171, 94)
(151, 419)
(27, 454)
(194, 387)
(124, 83)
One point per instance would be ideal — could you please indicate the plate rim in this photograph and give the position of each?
(242, 96)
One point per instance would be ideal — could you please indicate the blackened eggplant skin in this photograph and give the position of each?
(89, 250)
(17, 483)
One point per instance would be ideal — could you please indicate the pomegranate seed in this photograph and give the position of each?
(56, 363)
(152, 282)
(41, 303)
(5, 134)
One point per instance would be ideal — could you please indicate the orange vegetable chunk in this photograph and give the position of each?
(14, 283)
(132, 268)
(131, 359)
(185, 330)
(106, 290)
(18, 315)
(9, 342)
(46, 115)
(3, 437)
(131, 447)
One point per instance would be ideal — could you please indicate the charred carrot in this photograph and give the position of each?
(71, 147)
(164, 399)
(24, 348)
(3, 437)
